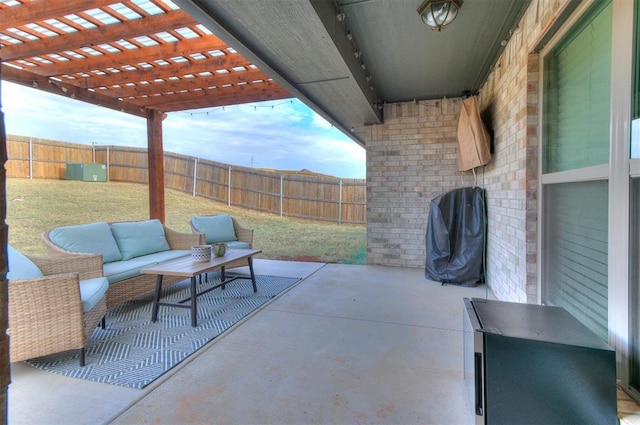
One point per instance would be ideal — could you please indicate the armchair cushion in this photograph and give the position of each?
(138, 238)
(92, 237)
(92, 291)
(238, 245)
(216, 228)
(20, 267)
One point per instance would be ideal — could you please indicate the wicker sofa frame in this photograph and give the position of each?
(141, 284)
(45, 313)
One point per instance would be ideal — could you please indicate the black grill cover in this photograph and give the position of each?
(455, 237)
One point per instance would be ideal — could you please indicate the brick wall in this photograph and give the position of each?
(411, 158)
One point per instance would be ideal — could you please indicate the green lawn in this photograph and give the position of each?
(34, 206)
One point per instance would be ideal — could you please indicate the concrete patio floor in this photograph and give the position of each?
(348, 345)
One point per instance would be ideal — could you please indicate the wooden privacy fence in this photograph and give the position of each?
(293, 194)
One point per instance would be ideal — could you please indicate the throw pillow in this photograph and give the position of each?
(136, 238)
(92, 238)
(216, 228)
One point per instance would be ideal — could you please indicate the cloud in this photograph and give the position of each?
(283, 134)
(320, 122)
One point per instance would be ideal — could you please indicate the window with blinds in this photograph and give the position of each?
(576, 251)
(577, 95)
(576, 132)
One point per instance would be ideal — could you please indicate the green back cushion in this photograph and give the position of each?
(216, 228)
(20, 267)
(89, 238)
(138, 238)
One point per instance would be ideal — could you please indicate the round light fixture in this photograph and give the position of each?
(437, 14)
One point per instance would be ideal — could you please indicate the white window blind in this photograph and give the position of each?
(576, 251)
(576, 129)
(577, 96)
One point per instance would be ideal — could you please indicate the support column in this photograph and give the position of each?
(5, 373)
(156, 165)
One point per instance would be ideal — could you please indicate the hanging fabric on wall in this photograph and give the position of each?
(473, 137)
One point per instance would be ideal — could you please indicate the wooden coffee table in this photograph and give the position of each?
(186, 267)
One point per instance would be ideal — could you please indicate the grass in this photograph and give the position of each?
(34, 206)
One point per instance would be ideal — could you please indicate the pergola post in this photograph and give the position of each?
(155, 165)
(5, 377)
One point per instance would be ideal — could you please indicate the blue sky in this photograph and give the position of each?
(284, 134)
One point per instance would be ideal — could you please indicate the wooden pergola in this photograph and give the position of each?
(144, 58)
(141, 58)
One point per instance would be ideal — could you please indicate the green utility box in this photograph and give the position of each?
(91, 172)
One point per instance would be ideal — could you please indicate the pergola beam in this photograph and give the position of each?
(223, 99)
(38, 82)
(133, 57)
(39, 10)
(179, 84)
(106, 34)
(162, 72)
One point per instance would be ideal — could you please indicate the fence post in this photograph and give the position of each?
(229, 187)
(108, 160)
(30, 159)
(281, 193)
(195, 173)
(340, 205)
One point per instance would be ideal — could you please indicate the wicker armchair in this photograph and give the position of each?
(242, 234)
(45, 313)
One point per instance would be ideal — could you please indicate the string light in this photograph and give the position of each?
(254, 106)
(73, 96)
(341, 16)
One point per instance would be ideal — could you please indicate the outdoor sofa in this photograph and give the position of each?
(55, 303)
(125, 248)
(223, 228)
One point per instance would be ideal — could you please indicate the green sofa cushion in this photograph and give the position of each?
(92, 291)
(138, 238)
(216, 228)
(160, 257)
(93, 238)
(121, 270)
(20, 267)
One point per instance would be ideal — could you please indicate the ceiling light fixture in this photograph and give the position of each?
(437, 14)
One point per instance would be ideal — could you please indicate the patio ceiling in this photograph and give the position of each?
(132, 56)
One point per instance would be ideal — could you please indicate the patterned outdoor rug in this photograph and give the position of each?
(133, 351)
